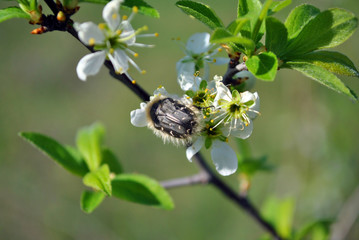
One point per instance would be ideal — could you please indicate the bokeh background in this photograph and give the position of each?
(308, 131)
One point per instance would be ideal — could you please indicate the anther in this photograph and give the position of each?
(135, 54)
(143, 72)
(124, 17)
(135, 9)
(114, 16)
(101, 26)
(133, 82)
(156, 34)
(91, 41)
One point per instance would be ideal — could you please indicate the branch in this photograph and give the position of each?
(200, 178)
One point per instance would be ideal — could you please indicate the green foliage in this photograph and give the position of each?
(248, 8)
(109, 158)
(277, 6)
(65, 156)
(263, 66)
(143, 7)
(13, 12)
(280, 214)
(99, 179)
(201, 12)
(91, 200)
(322, 76)
(317, 230)
(89, 142)
(276, 35)
(141, 189)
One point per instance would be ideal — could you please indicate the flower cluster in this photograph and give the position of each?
(110, 40)
(206, 116)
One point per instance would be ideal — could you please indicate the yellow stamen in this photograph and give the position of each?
(227, 139)
(178, 38)
(118, 32)
(133, 81)
(135, 54)
(160, 86)
(135, 9)
(156, 34)
(114, 16)
(124, 17)
(143, 72)
(245, 58)
(119, 71)
(212, 121)
(220, 49)
(112, 50)
(214, 60)
(207, 113)
(101, 26)
(91, 41)
(204, 117)
(211, 129)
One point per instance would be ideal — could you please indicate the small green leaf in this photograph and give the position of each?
(277, 6)
(13, 12)
(248, 7)
(280, 214)
(99, 179)
(276, 36)
(250, 165)
(322, 76)
(201, 12)
(313, 228)
(208, 142)
(263, 66)
(332, 61)
(237, 25)
(143, 7)
(221, 35)
(299, 17)
(91, 200)
(63, 155)
(89, 142)
(190, 93)
(328, 29)
(256, 34)
(109, 158)
(141, 189)
(203, 85)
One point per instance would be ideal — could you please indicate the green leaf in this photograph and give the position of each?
(298, 18)
(322, 76)
(221, 35)
(277, 6)
(321, 227)
(332, 61)
(258, 25)
(13, 12)
(91, 200)
(328, 29)
(99, 179)
(248, 7)
(203, 85)
(276, 36)
(250, 166)
(89, 142)
(280, 214)
(201, 12)
(263, 66)
(208, 142)
(237, 25)
(109, 158)
(64, 156)
(141, 189)
(143, 7)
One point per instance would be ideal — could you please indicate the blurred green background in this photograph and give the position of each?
(308, 131)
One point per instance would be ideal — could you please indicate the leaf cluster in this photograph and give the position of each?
(100, 170)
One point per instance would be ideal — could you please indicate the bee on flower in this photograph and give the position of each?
(110, 40)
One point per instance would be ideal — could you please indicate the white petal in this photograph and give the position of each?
(223, 93)
(89, 30)
(185, 65)
(119, 60)
(221, 61)
(247, 96)
(199, 43)
(224, 158)
(128, 32)
(90, 64)
(253, 114)
(138, 118)
(194, 148)
(111, 14)
(189, 82)
(241, 130)
(250, 82)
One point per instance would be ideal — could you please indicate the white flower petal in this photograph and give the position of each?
(185, 65)
(199, 43)
(189, 82)
(255, 108)
(90, 64)
(138, 118)
(111, 14)
(223, 93)
(224, 158)
(128, 32)
(119, 60)
(241, 130)
(247, 96)
(89, 30)
(194, 148)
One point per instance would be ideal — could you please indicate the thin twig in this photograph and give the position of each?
(200, 178)
(206, 174)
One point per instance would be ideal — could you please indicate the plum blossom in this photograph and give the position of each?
(110, 40)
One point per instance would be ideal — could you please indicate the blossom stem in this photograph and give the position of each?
(200, 178)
